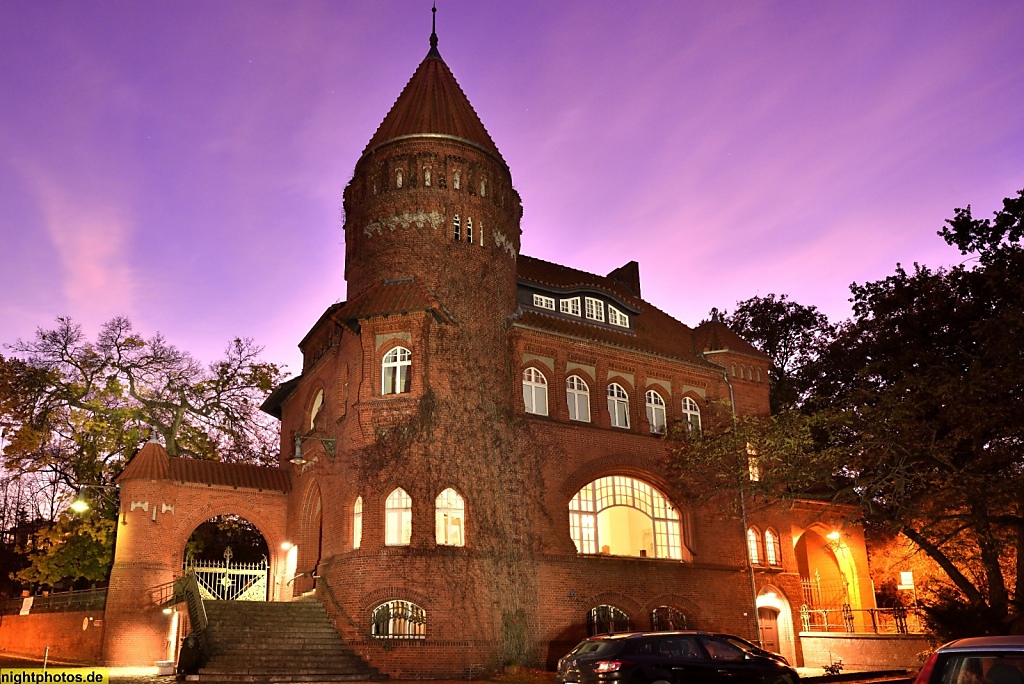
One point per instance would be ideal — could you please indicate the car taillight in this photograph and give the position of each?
(607, 666)
(926, 671)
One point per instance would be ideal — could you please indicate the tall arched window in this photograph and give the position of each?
(623, 516)
(357, 523)
(618, 406)
(607, 619)
(450, 514)
(655, 412)
(669, 619)
(535, 392)
(396, 366)
(398, 518)
(318, 403)
(691, 414)
(577, 395)
(772, 548)
(754, 545)
(398, 620)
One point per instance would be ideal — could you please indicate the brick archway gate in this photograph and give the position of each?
(163, 500)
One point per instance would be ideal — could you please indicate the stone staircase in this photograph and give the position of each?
(263, 642)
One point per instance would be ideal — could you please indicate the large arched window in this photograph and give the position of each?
(398, 518)
(691, 414)
(607, 619)
(577, 396)
(396, 366)
(754, 546)
(772, 548)
(398, 620)
(623, 516)
(655, 412)
(618, 405)
(318, 403)
(535, 392)
(450, 514)
(357, 523)
(669, 619)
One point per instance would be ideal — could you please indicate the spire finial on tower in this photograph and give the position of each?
(433, 32)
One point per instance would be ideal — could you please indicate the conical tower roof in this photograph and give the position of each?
(432, 103)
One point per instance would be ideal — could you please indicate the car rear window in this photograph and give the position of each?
(997, 668)
(596, 647)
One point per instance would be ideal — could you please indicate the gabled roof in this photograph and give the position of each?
(153, 463)
(712, 336)
(432, 103)
(652, 330)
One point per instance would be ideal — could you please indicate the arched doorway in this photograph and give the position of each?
(230, 558)
(827, 570)
(775, 623)
(310, 543)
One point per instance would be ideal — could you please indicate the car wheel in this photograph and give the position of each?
(661, 681)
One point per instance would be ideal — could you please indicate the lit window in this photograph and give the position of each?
(577, 395)
(457, 181)
(398, 620)
(469, 229)
(616, 317)
(691, 414)
(754, 546)
(772, 548)
(754, 467)
(396, 366)
(655, 412)
(570, 306)
(543, 302)
(449, 512)
(357, 523)
(318, 403)
(457, 227)
(426, 178)
(398, 179)
(398, 518)
(618, 405)
(483, 188)
(623, 516)
(595, 309)
(535, 392)
(480, 230)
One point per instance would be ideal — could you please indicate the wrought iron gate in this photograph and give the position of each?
(227, 581)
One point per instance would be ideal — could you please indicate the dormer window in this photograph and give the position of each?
(542, 302)
(616, 317)
(595, 309)
(570, 306)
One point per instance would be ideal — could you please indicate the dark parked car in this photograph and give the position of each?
(980, 660)
(669, 658)
(752, 648)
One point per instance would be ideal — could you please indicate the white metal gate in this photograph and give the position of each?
(227, 581)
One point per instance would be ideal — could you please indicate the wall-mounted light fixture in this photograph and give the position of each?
(81, 504)
(328, 442)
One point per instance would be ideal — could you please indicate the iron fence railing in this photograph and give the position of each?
(62, 602)
(862, 620)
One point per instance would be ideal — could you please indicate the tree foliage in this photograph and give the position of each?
(914, 419)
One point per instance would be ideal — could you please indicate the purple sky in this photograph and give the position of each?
(182, 162)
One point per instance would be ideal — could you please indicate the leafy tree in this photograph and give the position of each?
(788, 332)
(915, 420)
(76, 410)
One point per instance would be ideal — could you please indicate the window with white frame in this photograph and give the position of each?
(655, 412)
(772, 548)
(618, 405)
(616, 317)
(543, 302)
(318, 403)
(535, 392)
(570, 306)
(469, 229)
(450, 514)
(754, 545)
(577, 396)
(398, 620)
(623, 516)
(691, 414)
(595, 309)
(457, 227)
(357, 523)
(398, 518)
(395, 371)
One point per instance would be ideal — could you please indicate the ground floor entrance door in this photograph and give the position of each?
(768, 619)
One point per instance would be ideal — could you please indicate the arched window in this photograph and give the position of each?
(396, 366)
(577, 395)
(623, 516)
(655, 412)
(607, 620)
(618, 405)
(426, 177)
(754, 545)
(450, 514)
(535, 392)
(668, 619)
(398, 179)
(691, 414)
(772, 548)
(398, 620)
(457, 181)
(357, 523)
(318, 403)
(398, 518)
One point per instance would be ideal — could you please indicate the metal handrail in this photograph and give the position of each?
(899, 620)
(186, 588)
(322, 581)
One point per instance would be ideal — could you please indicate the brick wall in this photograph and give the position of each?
(74, 637)
(865, 651)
